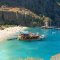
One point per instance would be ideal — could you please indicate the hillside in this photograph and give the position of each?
(46, 7)
(50, 8)
(19, 16)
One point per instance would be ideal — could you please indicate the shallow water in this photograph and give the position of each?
(15, 49)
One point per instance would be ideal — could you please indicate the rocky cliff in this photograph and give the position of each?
(50, 8)
(19, 16)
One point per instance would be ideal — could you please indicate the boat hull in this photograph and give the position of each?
(27, 37)
(38, 39)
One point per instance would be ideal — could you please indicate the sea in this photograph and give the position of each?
(43, 49)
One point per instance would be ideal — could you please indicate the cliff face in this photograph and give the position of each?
(19, 16)
(46, 7)
(50, 8)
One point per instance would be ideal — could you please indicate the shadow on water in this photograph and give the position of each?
(12, 39)
(44, 39)
(41, 40)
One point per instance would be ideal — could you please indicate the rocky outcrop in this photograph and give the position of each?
(47, 7)
(19, 16)
(56, 57)
(50, 8)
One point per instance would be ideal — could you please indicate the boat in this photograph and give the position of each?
(29, 36)
(48, 27)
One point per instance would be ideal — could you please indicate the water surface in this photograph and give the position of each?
(15, 49)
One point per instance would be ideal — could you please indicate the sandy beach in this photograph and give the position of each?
(11, 32)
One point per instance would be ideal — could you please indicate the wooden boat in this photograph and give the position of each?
(30, 36)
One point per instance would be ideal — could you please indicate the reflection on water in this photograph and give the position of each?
(15, 49)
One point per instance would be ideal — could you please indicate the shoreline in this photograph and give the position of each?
(10, 32)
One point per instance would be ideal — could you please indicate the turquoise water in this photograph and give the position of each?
(15, 49)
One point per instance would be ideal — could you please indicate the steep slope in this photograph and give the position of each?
(46, 7)
(50, 8)
(15, 15)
